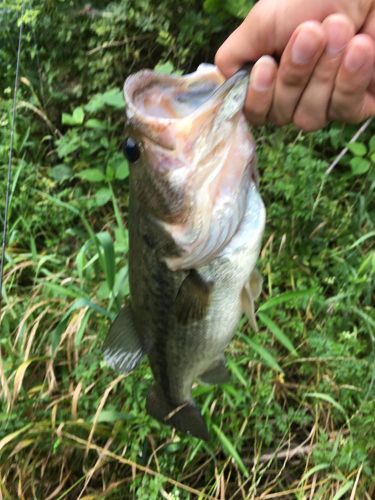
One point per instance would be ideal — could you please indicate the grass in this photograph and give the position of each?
(293, 421)
(296, 420)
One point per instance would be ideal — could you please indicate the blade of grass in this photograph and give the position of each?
(108, 257)
(237, 372)
(266, 356)
(313, 470)
(278, 333)
(344, 488)
(230, 450)
(286, 297)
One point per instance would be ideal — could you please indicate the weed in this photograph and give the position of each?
(297, 418)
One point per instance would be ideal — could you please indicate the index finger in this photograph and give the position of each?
(267, 29)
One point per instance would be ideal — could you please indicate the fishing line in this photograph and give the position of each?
(9, 176)
(338, 158)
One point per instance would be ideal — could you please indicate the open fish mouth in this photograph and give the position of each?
(198, 157)
(159, 101)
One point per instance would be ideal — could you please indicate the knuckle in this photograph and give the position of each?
(307, 121)
(279, 120)
(292, 78)
(254, 114)
(257, 123)
(346, 110)
(255, 119)
(339, 114)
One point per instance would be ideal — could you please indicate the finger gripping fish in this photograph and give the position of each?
(196, 221)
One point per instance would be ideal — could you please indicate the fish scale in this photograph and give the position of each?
(196, 221)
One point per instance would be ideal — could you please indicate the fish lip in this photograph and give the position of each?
(144, 77)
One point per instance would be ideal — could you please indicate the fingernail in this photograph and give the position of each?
(338, 36)
(305, 45)
(263, 74)
(354, 59)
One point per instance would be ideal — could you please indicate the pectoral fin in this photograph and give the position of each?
(123, 348)
(193, 298)
(250, 293)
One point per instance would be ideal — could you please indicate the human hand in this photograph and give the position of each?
(326, 70)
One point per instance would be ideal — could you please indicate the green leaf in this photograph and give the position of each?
(63, 291)
(75, 119)
(357, 148)
(344, 488)
(313, 470)
(237, 372)
(68, 144)
(82, 328)
(237, 8)
(80, 303)
(110, 416)
(96, 124)
(95, 104)
(117, 167)
(362, 239)
(108, 253)
(265, 355)
(122, 171)
(114, 98)
(278, 333)
(372, 144)
(102, 196)
(166, 68)
(286, 297)
(359, 165)
(81, 260)
(121, 286)
(230, 450)
(121, 239)
(92, 175)
(328, 399)
(60, 172)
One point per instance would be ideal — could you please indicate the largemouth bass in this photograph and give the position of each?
(196, 221)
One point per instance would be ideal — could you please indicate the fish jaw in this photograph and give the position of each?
(198, 159)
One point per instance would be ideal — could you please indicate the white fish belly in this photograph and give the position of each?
(229, 272)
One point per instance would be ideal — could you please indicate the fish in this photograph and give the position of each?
(195, 221)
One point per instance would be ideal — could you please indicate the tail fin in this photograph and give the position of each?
(185, 418)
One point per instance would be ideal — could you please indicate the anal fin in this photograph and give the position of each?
(185, 418)
(123, 348)
(217, 373)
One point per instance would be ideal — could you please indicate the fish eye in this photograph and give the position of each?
(131, 150)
